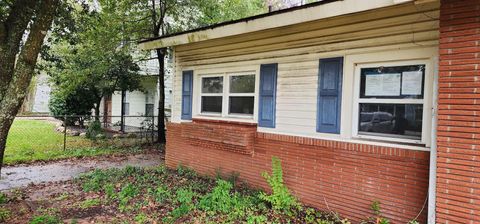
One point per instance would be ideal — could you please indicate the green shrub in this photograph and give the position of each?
(281, 199)
(94, 129)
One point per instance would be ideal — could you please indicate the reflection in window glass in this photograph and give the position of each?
(391, 120)
(241, 105)
(212, 85)
(242, 84)
(212, 104)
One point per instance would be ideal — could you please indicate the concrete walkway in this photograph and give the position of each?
(21, 176)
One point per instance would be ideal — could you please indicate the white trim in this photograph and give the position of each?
(432, 185)
(226, 74)
(426, 123)
(426, 55)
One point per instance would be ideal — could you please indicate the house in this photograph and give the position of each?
(361, 100)
(138, 105)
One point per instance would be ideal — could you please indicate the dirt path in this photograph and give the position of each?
(21, 176)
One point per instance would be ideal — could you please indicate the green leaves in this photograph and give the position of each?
(280, 199)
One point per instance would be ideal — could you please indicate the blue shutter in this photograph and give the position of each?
(268, 92)
(187, 95)
(329, 95)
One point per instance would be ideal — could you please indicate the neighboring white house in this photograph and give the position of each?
(138, 104)
(42, 94)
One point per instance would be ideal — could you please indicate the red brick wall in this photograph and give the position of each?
(458, 165)
(346, 176)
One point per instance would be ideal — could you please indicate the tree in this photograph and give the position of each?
(93, 62)
(23, 27)
(161, 17)
(76, 102)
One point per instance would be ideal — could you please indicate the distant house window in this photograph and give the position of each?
(391, 102)
(149, 108)
(231, 94)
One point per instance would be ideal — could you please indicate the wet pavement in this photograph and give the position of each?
(21, 176)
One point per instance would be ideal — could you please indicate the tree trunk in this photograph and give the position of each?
(4, 127)
(161, 96)
(14, 82)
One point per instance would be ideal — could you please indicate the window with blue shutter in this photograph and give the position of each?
(329, 95)
(268, 89)
(187, 95)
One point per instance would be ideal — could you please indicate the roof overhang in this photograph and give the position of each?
(306, 13)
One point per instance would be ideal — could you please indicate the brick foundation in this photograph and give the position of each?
(458, 165)
(346, 176)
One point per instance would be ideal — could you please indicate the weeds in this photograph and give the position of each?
(181, 195)
(90, 203)
(280, 199)
(377, 218)
(4, 214)
(45, 219)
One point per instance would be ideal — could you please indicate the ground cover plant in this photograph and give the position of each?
(157, 195)
(37, 140)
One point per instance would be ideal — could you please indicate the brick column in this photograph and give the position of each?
(458, 137)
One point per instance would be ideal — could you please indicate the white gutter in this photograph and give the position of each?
(433, 150)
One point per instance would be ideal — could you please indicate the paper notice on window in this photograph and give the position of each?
(412, 83)
(382, 85)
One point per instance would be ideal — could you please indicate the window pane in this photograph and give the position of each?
(395, 82)
(212, 104)
(149, 109)
(212, 85)
(242, 84)
(241, 104)
(391, 120)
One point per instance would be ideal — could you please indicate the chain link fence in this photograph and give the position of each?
(37, 133)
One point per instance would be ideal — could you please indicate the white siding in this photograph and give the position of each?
(392, 31)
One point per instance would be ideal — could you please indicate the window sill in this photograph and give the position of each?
(338, 138)
(391, 140)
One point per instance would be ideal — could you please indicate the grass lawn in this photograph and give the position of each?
(34, 140)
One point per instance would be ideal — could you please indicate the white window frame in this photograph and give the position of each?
(225, 115)
(426, 102)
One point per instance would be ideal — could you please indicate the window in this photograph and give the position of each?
(231, 94)
(391, 102)
(212, 94)
(241, 94)
(149, 108)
